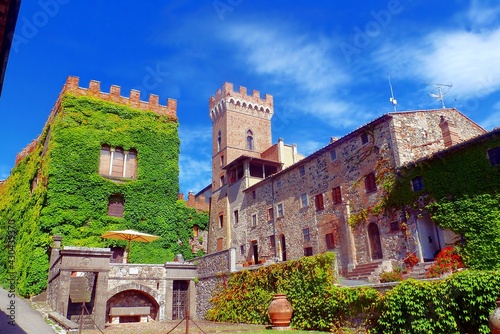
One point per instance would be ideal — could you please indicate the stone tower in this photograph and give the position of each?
(241, 128)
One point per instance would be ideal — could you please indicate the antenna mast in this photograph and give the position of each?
(440, 95)
(392, 99)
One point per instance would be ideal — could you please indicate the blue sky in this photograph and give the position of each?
(326, 63)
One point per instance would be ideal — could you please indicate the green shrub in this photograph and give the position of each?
(309, 285)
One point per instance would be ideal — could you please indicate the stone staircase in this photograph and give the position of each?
(363, 271)
(419, 271)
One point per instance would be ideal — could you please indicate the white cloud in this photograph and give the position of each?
(483, 12)
(467, 60)
(299, 64)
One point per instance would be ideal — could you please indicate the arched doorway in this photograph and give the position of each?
(133, 300)
(375, 244)
(283, 247)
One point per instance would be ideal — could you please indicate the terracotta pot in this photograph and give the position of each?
(280, 311)
(494, 319)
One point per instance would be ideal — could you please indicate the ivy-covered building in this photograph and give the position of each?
(270, 207)
(458, 189)
(102, 162)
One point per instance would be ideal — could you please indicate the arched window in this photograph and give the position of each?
(250, 140)
(219, 141)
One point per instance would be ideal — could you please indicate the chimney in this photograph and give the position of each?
(449, 131)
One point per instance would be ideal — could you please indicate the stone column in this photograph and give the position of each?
(169, 299)
(63, 295)
(101, 290)
(192, 299)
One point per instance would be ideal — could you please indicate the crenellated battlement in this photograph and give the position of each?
(240, 100)
(134, 101)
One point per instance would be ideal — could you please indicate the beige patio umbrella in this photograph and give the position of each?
(129, 235)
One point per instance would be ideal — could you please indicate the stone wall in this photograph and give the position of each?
(211, 270)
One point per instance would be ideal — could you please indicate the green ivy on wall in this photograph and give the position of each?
(461, 192)
(71, 198)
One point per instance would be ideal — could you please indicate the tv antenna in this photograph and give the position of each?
(392, 99)
(440, 95)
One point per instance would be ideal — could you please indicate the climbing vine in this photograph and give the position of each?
(56, 189)
(461, 192)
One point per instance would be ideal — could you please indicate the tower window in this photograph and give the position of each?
(221, 220)
(254, 220)
(236, 217)
(117, 162)
(219, 141)
(250, 140)
(115, 205)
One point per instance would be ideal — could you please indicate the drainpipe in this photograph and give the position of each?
(274, 220)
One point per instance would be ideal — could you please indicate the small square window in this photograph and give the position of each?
(308, 251)
(333, 155)
(307, 235)
(115, 206)
(302, 171)
(318, 202)
(395, 226)
(336, 195)
(417, 184)
(280, 210)
(278, 183)
(303, 200)
(494, 156)
(330, 241)
(364, 139)
(254, 220)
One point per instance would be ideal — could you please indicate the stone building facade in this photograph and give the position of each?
(327, 201)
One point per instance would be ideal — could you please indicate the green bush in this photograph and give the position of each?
(459, 304)
(309, 285)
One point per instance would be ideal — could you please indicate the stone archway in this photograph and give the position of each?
(140, 300)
